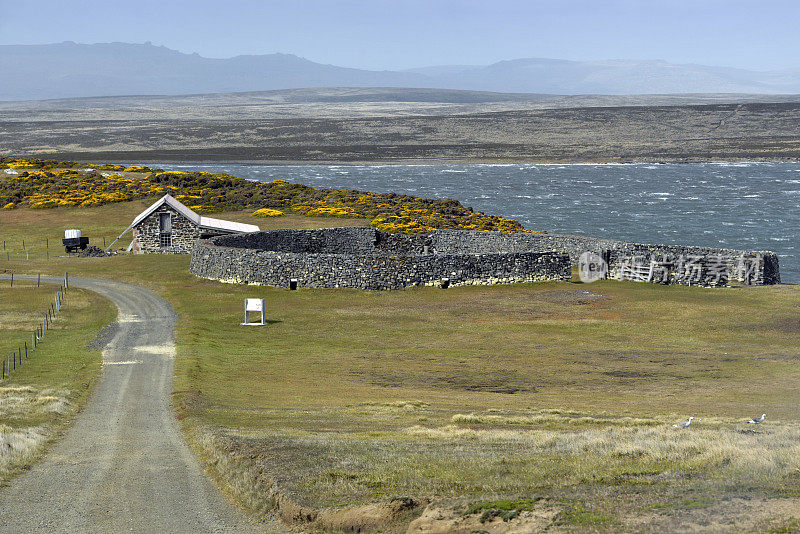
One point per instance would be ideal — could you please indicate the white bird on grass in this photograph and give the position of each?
(758, 420)
(684, 424)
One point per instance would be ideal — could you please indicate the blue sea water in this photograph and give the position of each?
(752, 206)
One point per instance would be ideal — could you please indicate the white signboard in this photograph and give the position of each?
(253, 305)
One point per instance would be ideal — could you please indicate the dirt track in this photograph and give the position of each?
(123, 465)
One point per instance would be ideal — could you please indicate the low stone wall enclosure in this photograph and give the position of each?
(363, 258)
(366, 258)
(688, 265)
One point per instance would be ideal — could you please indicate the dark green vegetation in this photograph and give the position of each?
(578, 514)
(522, 393)
(506, 509)
(355, 125)
(790, 526)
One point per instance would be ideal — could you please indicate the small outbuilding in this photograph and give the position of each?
(169, 227)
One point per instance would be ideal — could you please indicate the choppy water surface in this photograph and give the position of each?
(751, 206)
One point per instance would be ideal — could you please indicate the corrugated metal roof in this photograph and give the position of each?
(204, 222)
(219, 224)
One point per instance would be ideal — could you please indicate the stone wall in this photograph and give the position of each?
(369, 259)
(362, 258)
(352, 240)
(671, 261)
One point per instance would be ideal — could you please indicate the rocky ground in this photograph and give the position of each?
(362, 126)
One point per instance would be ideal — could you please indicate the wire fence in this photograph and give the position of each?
(14, 360)
(37, 249)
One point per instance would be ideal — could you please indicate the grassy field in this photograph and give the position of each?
(559, 396)
(53, 382)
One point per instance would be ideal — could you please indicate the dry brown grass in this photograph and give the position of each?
(41, 395)
(19, 444)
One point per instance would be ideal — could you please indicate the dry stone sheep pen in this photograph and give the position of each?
(703, 266)
(366, 258)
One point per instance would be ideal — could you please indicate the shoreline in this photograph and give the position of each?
(172, 160)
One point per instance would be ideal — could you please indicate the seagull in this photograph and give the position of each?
(684, 424)
(758, 420)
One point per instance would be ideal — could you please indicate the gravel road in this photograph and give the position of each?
(124, 465)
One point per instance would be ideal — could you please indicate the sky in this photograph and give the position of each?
(399, 34)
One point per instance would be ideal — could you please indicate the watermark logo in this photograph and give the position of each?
(592, 267)
(691, 269)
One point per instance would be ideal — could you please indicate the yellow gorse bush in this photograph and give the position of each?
(137, 168)
(19, 165)
(267, 212)
(51, 184)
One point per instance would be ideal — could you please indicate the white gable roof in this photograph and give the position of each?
(203, 222)
(219, 224)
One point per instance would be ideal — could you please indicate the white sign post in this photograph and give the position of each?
(253, 305)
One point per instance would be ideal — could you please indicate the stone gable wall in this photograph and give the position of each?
(146, 234)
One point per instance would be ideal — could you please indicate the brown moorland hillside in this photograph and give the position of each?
(363, 126)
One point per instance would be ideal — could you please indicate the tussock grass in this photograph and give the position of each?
(331, 468)
(20, 444)
(725, 453)
(787, 526)
(549, 419)
(400, 405)
(25, 400)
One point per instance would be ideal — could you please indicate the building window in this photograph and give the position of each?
(165, 229)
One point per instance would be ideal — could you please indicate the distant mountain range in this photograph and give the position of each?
(67, 70)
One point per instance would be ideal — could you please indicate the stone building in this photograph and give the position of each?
(169, 227)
